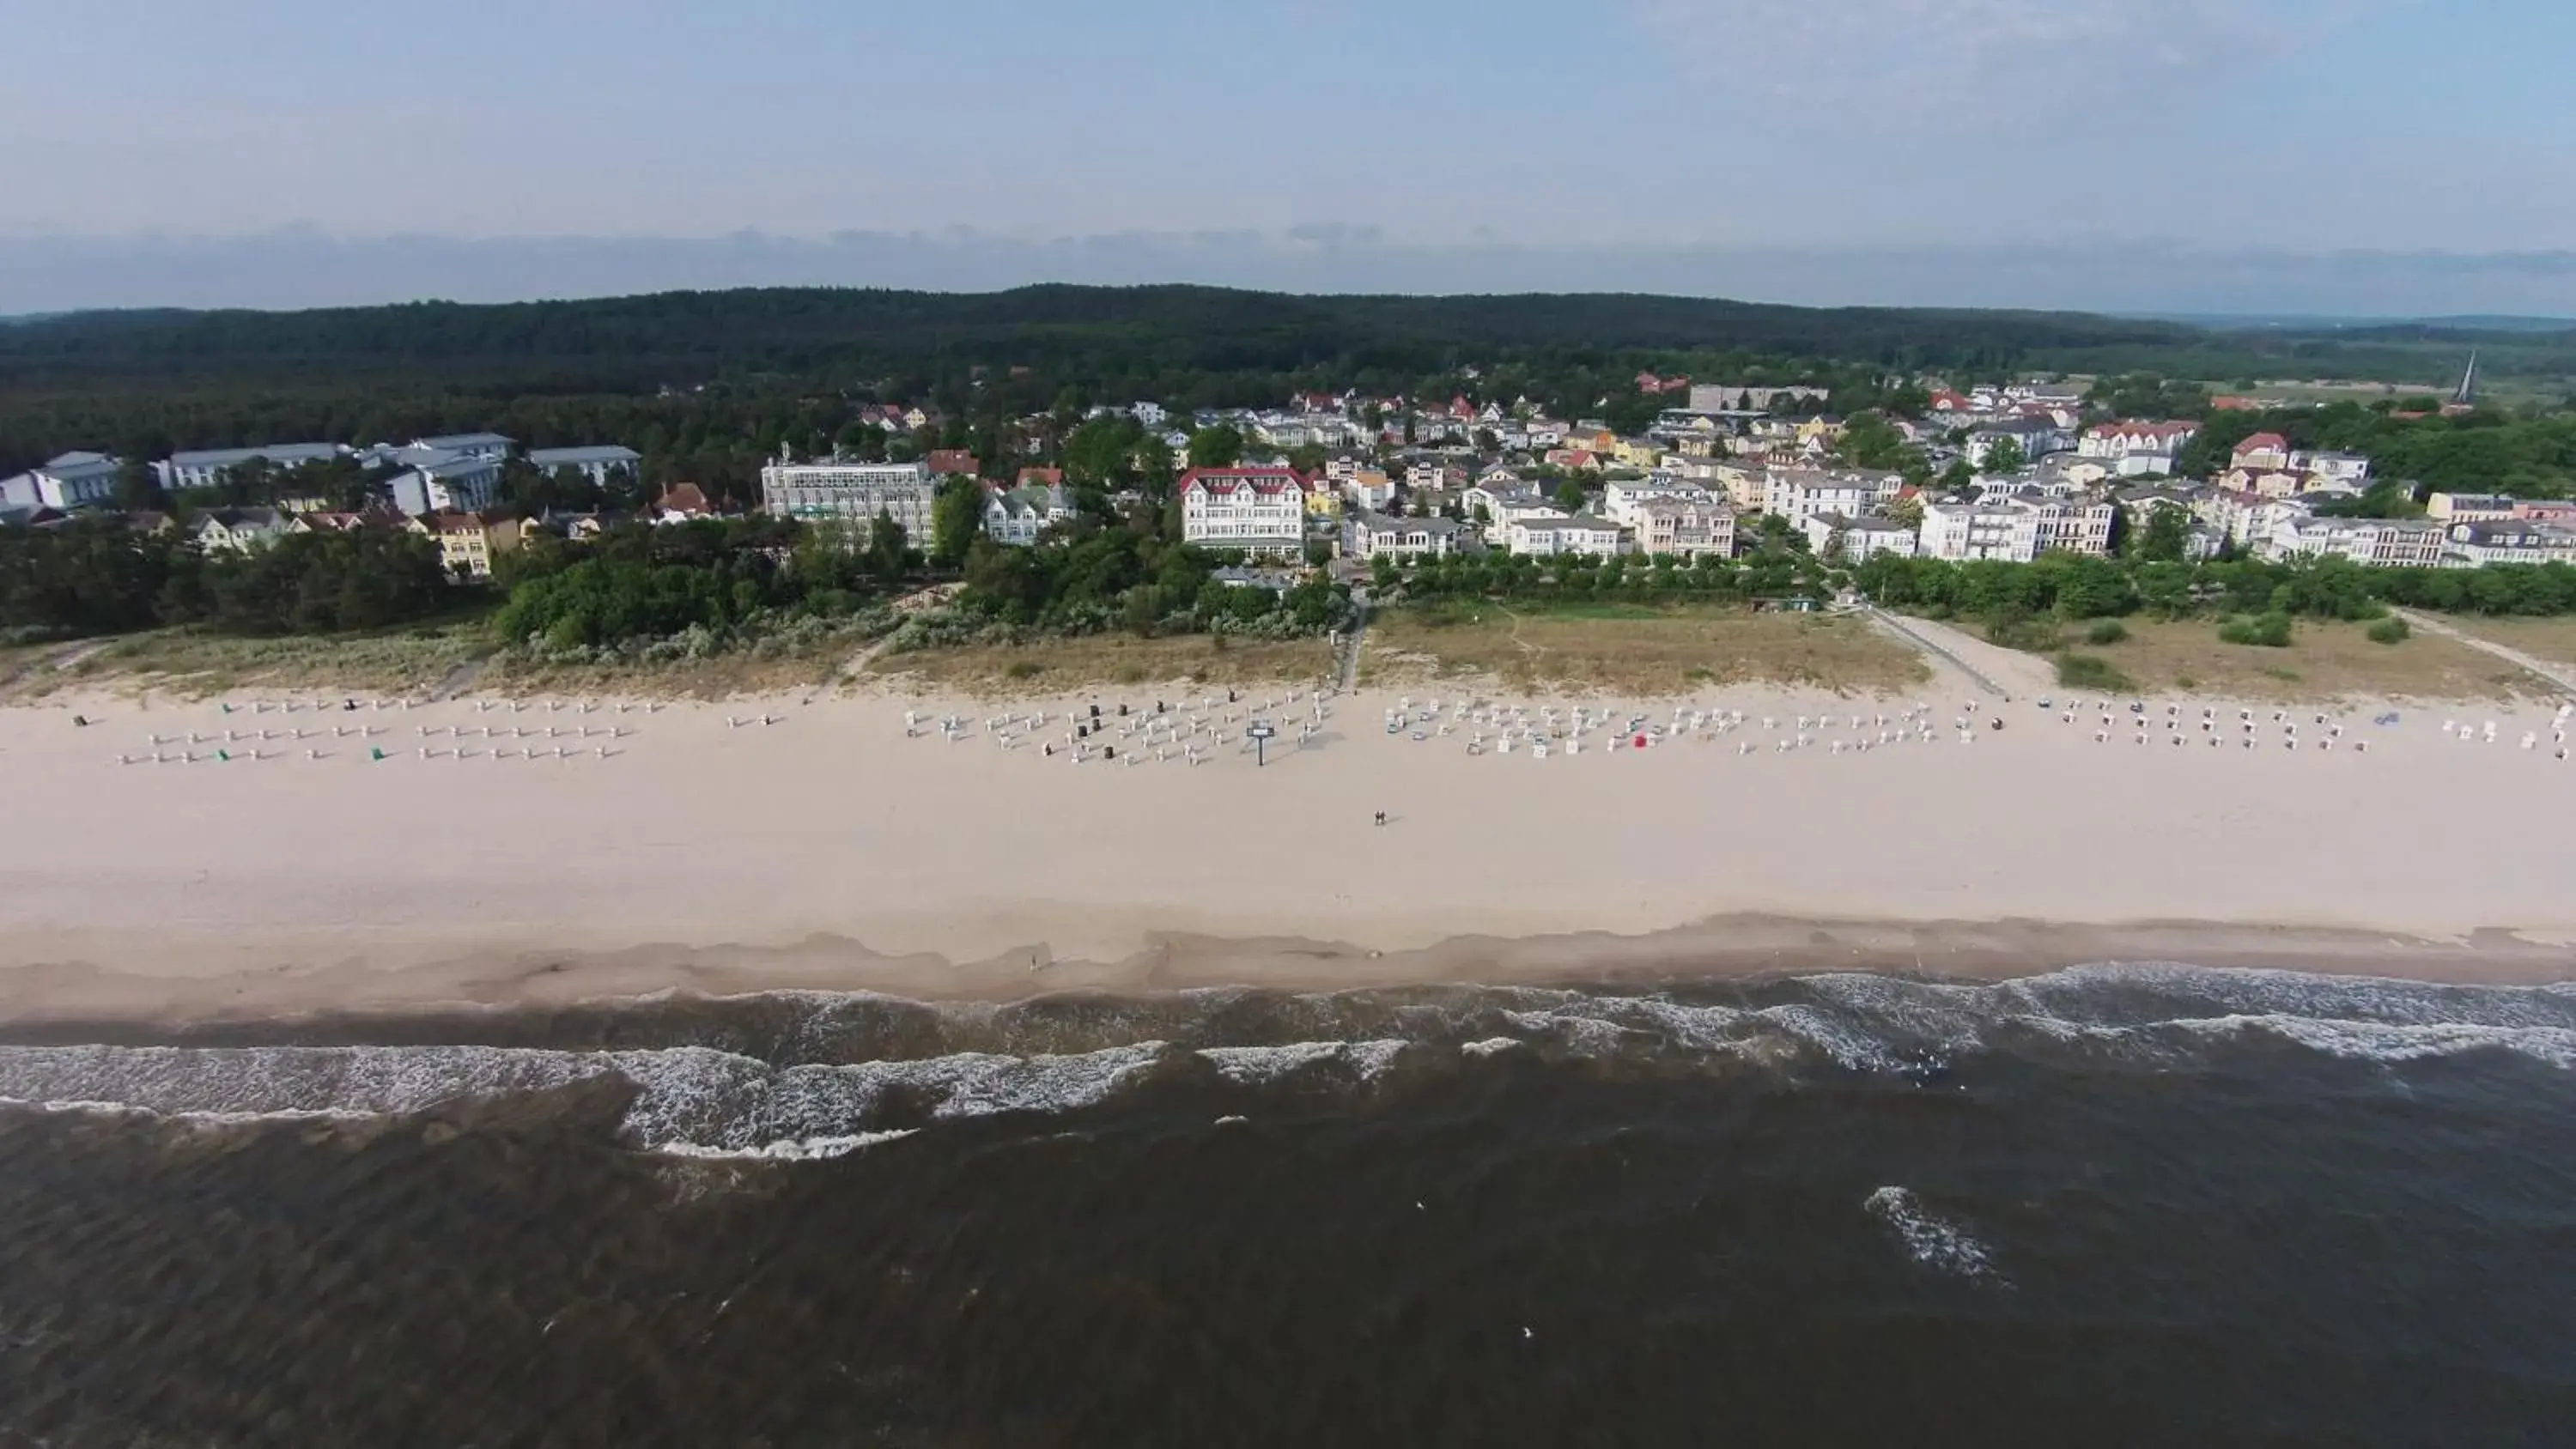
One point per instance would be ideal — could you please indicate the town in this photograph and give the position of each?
(2005, 472)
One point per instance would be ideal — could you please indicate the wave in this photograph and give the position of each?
(809, 1075)
(1934, 1242)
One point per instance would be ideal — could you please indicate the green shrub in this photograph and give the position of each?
(2011, 628)
(2092, 671)
(2391, 630)
(2107, 631)
(2264, 631)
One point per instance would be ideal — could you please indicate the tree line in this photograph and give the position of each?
(99, 576)
(2070, 586)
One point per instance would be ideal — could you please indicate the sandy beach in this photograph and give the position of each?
(816, 841)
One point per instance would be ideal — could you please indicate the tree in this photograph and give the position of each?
(1870, 441)
(2165, 537)
(137, 488)
(956, 521)
(1570, 496)
(1216, 447)
(2004, 455)
(887, 549)
(1957, 476)
(1907, 511)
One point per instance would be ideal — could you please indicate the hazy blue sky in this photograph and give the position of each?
(1816, 150)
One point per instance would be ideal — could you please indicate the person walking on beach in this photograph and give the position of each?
(1381, 817)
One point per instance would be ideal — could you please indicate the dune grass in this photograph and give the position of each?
(1634, 649)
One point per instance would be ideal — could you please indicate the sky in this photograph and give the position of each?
(2366, 157)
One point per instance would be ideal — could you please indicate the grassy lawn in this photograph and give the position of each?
(1634, 649)
(2550, 639)
(192, 660)
(1074, 664)
(2323, 661)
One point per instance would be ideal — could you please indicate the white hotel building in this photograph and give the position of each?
(1961, 531)
(840, 491)
(206, 468)
(1257, 510)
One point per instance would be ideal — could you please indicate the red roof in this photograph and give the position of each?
(944, 461)
(2232, 404)
(1259, 480)
(2260, 441)
(1041, 477)
(685, 498)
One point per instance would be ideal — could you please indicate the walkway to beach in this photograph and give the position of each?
(1906, 630)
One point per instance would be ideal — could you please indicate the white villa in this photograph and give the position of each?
(1258, 510)
(1564, 533)
(2135, 449)
(1369, 535)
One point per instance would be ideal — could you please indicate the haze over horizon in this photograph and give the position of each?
(2329, 157)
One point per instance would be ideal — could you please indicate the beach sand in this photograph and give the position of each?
(824, 848)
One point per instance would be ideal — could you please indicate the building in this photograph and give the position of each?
(595, 464)
(464, 541)
(445, 482)
(74, 481)
(1495, 509)
(2350, 468)
(236, 530)
(957, 462)
(1857, 540)
(2036, 437)
(1982, 530)
(1150, 414)
(1624, 500)
(2262, 451)
(1258, 510)
(1798, 494)
(2470, 507)
(841, 491)
(1369, 489)
(1579, 533)
(2372, 542)
(1687, 527)
(1737, 397)
(1018, 515)
(2135, 449)
(489, 447)
(1375, 535)
(2473, 545)
(2070, 525)
(206, 468)
(682, 503)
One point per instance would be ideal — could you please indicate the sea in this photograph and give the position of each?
(2117, 1204)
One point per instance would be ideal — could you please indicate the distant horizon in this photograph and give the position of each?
(304, 268)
